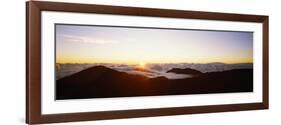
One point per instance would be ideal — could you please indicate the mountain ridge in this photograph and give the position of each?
(184, 71)
(103, 82)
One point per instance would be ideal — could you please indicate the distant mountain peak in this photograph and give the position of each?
(216, 63)
(184, 71)
(99, 68)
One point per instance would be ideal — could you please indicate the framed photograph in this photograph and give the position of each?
(94, 62)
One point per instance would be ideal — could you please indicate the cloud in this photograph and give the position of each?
(80, 39)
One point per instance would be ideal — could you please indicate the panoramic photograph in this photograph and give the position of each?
(93, 61)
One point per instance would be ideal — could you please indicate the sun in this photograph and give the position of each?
(141, 65)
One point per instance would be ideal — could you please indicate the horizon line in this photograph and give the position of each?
(152, 63)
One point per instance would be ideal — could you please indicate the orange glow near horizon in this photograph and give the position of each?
(142, 65)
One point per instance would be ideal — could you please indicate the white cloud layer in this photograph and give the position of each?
(70, 38)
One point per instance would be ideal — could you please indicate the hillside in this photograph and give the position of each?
(103, 82)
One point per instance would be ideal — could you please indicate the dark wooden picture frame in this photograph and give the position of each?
(33, 61)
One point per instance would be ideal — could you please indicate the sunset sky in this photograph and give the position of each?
(100, 44)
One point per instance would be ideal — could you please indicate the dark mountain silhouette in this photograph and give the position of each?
(103, 82)
(185, 71)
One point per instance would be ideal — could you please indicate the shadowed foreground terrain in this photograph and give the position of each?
(103, 82)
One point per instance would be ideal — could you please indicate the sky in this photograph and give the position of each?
(134, 45)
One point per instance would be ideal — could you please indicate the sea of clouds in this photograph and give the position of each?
(151, 70)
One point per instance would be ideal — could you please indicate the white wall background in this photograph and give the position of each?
(12, 62)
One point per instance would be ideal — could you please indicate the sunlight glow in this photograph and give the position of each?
(142, 65)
